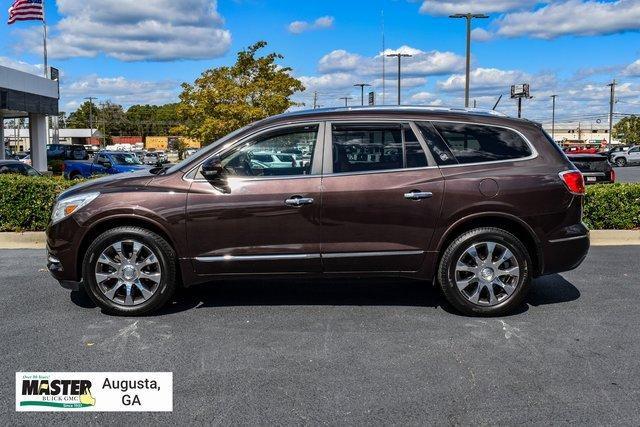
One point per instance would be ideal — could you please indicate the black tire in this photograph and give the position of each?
(165, 255)
(447, 271)
(621, 162)
(75, 176)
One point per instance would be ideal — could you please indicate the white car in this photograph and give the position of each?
(151, 158)
(271, 160)
(630, 157)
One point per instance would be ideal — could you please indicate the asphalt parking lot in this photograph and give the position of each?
(628, 174)
(384, 352)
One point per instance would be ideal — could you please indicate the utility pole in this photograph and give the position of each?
(399, 56)
(384, 74)
(362, 86)
(346, 100)
(553, 117)
(519, 108)
(315, 99)
(90, 98)
(468, 17)
(612, 100)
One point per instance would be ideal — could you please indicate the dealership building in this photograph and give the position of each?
(25, 95)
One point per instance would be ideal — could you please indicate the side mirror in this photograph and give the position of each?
(214, 172)
(212, 169)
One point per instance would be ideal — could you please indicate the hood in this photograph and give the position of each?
(111, 183)
(132, 168)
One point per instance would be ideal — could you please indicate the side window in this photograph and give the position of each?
(374, 147)
(102, 159)
(281, 153)
(438, 148)
(477, 143)
(12, 168)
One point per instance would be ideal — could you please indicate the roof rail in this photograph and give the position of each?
(404, 108)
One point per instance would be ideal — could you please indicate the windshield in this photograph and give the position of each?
(126, 159)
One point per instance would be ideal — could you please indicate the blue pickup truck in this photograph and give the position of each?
(103, 163)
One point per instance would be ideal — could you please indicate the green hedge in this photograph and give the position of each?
(612, 207)
(26, 203)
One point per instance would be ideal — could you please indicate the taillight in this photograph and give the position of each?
(574, 182)
(613, 175)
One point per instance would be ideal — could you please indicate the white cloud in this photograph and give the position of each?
(339, 60)
(298, 27)
(481, 35)
(448, 7)
(22, 66)
(425, 98)
(572, 17)
(119, 90)
(133, 30)
(493, 80)
(633, 69)
(428, 63)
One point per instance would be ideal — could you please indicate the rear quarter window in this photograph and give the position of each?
(470, 143)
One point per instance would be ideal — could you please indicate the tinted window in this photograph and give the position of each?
(476, 143)
(370, 147)
(260, 157)
(126, 159)
(438, 148)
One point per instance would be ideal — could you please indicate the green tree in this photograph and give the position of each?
(79, 119)
(627, 130)
(226, 98)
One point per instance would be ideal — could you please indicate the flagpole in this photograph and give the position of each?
(44, 24)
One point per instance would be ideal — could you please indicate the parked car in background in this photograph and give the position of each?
(26, 159)
(152, 158)
(17, 167)
(103, 163)
(475, 202)
(595, 168)
(611, 152)
(66, 152)
(626, 158)
(9, 155)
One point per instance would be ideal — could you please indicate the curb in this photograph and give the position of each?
(37, 239)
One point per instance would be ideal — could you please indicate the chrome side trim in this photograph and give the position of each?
(567, 239)
(225, 258)
(370, 254)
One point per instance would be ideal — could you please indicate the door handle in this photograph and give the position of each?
(298, 201)
(418, 195)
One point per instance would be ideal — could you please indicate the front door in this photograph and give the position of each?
(381, 201)
(266, 219)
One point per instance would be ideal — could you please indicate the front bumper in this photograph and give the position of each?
(63, 246)
(57, 271)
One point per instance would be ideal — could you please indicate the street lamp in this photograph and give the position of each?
(346, 100)
(399, 56)
(362, 86)
(468, 17)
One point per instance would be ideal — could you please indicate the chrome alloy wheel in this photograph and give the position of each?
(128, 272)
(487, 273)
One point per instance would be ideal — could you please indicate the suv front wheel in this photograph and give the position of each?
(129, 271)
(485, 272)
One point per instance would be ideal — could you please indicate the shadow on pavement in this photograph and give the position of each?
(552, 289)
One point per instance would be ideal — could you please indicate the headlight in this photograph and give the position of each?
(69, 205)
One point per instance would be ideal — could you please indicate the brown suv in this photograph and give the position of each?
(473, 201)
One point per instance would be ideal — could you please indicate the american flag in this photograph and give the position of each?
(26, 10)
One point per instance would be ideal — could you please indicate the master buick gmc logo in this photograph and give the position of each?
(56, 393)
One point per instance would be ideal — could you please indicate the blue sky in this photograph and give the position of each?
(130, 51)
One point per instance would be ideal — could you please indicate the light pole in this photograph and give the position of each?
(90, 98)
(468, 17)
(346, 100)
(553, 118)
(362, 86)
(612, 101)
(399, 56)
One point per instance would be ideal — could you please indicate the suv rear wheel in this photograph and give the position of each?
(621, 162)
(485, 272)
(129, 271)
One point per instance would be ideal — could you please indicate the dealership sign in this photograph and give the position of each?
(94, 391)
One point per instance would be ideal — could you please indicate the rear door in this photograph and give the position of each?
(634, 155)
(381, 198)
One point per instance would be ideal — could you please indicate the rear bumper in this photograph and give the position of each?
(567, 252)
(597, 177)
